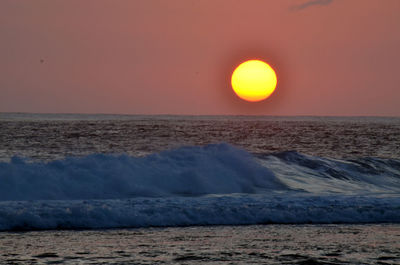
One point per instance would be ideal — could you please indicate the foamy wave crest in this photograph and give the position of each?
(206, 210)
(321, 175)
(187, 171)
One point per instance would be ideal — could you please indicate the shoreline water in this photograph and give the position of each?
(259, 244)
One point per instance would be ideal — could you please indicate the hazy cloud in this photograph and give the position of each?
(310, 3)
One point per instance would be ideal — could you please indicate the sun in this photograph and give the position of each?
(254, 80)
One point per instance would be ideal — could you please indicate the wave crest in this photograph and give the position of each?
(318, 174)
(188, 171)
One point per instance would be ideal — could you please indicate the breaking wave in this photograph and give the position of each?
(213, 184)
(188, 171)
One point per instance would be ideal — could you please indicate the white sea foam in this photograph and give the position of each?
(208, 210)
(323, 175)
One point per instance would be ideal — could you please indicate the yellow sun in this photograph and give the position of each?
(254, 80)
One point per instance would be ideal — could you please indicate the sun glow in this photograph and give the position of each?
(254, 80)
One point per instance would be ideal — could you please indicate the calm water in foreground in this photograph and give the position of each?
(264, 244)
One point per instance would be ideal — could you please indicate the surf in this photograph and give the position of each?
(216, 184)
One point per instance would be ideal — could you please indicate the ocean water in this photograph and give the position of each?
(202, 177)
(260, 244)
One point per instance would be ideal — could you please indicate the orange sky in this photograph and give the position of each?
(332, 57)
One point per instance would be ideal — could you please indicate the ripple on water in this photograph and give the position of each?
(265, 244)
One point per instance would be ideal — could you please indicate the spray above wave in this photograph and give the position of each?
(187, 171)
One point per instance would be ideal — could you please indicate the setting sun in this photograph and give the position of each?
(254, 80)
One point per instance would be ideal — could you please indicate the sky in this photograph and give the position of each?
(332, 57)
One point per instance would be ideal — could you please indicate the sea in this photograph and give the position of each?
(140, 189)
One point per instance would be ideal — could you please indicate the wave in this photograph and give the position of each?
(214, 184)
(187, 171)
(205, 210)
(193, 171)
(326, 175)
